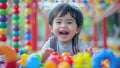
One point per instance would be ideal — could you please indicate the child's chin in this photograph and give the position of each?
(64, 40)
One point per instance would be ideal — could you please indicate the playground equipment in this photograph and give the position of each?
(10, 56)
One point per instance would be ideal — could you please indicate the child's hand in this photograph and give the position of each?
(46, 54)
(89, 50)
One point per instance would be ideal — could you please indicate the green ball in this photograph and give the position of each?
(16, 1)
(3, 25)
(15, 44)
(3, 12)
(15, 16)
(3, 0)
(15, 22)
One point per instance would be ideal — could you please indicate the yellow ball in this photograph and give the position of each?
(27, 26)
(27, 11)
(28, 1)
(64, 64)
(28, 48)
(23, 63)
(50, 64)
(3, 31)
(24, 57)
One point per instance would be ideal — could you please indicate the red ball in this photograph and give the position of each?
(16, 11)
(55, 53)
(16, 50)
(15, 38)
(28, 6)
(28, 42)
(3, 38)
(16, 6)
(68, 59)
(3, 5)
(27, 21)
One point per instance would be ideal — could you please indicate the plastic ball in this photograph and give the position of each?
(49, 64)
(3, 38)
(28, 5)
(15, 33)
(53, 59)
(3, 31)
(15, 28)
(28, 16)
(3, 18)
(3, 12)
(65, 54)
(3, 1)
(68, 59)
(3, 25)
(37, 55)
(16, 6)
(16, 1)
(28, 11)
(27, 21)
(27, 26)
(15, 16)
(28, 31)
(22, 51)
(3, 5)
(54, 54)
(28, 1)
(15, 22)
(64, 64)
(15, 11)
(16, 50)
(27, 42)
(15, 38)
(28, 48)
(23, 57)
(28, 36)
(15, 44)
(32, 62)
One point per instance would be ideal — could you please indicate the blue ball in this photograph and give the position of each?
(28, 36)
(32, 62)
(15, 33)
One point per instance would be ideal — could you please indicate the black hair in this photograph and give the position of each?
(65, 8)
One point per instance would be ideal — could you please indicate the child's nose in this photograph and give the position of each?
(63, 25)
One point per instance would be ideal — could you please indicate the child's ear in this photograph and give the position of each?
(51, 29)
(78, 29)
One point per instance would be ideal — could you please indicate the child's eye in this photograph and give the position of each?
(58, 22)
(69, 22)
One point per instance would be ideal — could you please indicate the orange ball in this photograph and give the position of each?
(64, 54)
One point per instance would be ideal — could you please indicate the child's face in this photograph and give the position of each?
(64, 28)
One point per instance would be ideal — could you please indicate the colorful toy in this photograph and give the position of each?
(10, 56)
(54, 57)
(68, 59)
(32, 62)
(82, 60)
(102, 55)
(50, 64)
(64, 64)
(3, 20)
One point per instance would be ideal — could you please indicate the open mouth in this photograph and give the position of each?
(64, 34)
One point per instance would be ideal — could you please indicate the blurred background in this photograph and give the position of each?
(101, 22)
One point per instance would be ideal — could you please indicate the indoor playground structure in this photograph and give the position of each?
(20, 19)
